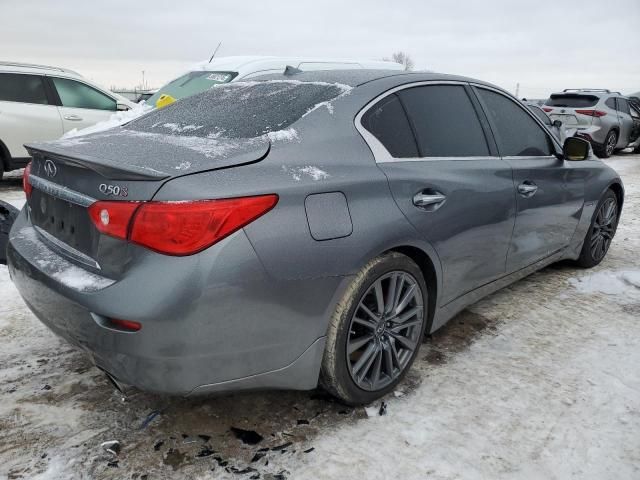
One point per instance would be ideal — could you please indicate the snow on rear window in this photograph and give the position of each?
(240, 110)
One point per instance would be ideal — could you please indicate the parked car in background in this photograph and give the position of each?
(635, 132)
(600, 116)
(556, 126)
(240, 68)
(39, 102)
(305, 227)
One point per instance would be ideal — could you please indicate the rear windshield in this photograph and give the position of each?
(191, 83)
(572, 100)
(239, 110)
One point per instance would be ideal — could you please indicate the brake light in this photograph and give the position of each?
(547, 109)
(185, 228)
(113, 218)
(26, 184)
(592, 113)
(178, 228)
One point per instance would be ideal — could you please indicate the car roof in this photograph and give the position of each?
(36, 68)
(248, 64)
(359, 77)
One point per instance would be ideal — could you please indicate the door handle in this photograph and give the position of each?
(527, 188)
(427, 198)
(73, 118)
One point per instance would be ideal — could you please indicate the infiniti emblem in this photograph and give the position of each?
(50, 168)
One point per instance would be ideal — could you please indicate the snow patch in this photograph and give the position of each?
(287, 135)
(609, 282)
(183, 166)
(313, 172)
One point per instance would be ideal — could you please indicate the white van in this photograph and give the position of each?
(205, 75)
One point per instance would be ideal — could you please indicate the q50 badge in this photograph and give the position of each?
(113, 190)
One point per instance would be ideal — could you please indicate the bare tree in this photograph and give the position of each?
(402, 58)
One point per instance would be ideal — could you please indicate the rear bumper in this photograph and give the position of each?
(211, 322)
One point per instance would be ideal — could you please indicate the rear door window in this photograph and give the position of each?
(572, 100)
(623, 106)
(611, 103)
(444, 120)
(387, 121)
(78, 95)
(17, 87)
(518, 135)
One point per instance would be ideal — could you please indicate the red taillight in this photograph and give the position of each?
(128, 325)
(178, 228)
(547, 109)
(185, 228)
(592, 113)
(26, 184)
(113, 218)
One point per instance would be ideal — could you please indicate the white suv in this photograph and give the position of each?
(42, 103)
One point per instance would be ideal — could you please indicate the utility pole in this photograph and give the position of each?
(143, 87)
(517, 90)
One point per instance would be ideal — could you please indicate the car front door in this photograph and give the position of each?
(81, 105)
(626, 122)
(446, 177)
(26, 112)
(549, 191)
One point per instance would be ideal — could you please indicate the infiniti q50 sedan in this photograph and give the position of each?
(299, 230)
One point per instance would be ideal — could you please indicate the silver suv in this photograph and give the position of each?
(600, 116)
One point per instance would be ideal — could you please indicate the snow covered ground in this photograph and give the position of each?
(538, 381)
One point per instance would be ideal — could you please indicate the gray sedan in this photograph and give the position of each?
(299, 230)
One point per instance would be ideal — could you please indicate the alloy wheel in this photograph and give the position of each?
(384, 330)
(612, 140)
(603, 229)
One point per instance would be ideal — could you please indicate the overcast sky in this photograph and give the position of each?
(544, 45)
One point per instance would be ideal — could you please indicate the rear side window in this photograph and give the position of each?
(387, 122)
(445, 121)
(16, 87)
(623, 106)
(78, 95)
(517, 133)
(240, 109)
(572, 100)
(611, 103)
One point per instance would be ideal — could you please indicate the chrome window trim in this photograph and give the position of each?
(380, 153)
(63, 193)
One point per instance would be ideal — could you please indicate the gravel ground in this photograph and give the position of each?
(540, 380)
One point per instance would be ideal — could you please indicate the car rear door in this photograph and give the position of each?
(549, 191)
(446, 177)
(626, 122)
(80, 104)
(26, 112)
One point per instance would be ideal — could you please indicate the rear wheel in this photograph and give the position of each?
(376, 330)
(608, 147)
(601, 231)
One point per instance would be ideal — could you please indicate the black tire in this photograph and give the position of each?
(608, 147)
(601, 232)
(400, 277)
(1, 169)
(8, 214)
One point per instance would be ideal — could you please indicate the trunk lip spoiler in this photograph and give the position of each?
(124, 171)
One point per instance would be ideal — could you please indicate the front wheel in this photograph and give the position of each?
(376, 331)
(601, 231)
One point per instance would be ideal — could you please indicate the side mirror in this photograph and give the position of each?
(557, 123)
(575, 149)
(121, 107)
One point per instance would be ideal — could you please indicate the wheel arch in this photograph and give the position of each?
(618, 189)
(428, 269)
